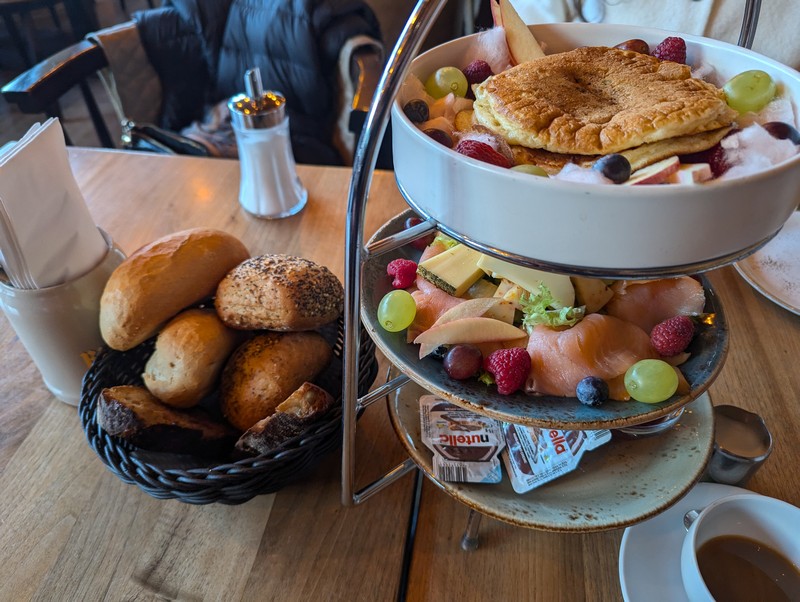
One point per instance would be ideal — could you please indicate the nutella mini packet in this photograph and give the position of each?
(465, 445)
(535, 456)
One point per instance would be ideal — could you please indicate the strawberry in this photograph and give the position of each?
(404, 272)
(477, 71)
(672, 336)
(509, 367)
(482, 152)
(671, 49)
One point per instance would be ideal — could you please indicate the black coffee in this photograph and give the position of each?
(738, 568)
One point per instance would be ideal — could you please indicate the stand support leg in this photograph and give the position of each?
(470, 539)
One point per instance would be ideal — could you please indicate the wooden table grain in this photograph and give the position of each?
(71, 530)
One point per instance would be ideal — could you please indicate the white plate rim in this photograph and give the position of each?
(664, 583)
(751, 275)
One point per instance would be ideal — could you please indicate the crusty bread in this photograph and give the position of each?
(160, 279)
(190, 353)
(301, 409)
(134, 414)
(596, 101)
(265, 370)
(279, 292)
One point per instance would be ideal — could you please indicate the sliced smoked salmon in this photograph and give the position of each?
(648, 302)
(598, 345)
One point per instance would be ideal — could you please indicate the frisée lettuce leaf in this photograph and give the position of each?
(537, 309)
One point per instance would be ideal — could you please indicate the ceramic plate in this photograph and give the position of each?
(774, 270)
(708, 349)
(587, 229)
(650, 553)
(618, 484)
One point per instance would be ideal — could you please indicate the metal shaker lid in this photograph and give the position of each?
(256, 108)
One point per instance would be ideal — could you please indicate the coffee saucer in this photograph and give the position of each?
(650, 553)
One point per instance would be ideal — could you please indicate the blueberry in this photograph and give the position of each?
(783, 131)
(615, 167)
(417, 110)
(592, 391)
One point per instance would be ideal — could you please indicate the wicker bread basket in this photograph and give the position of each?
(225, 480)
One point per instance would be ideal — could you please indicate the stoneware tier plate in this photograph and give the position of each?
(618, 484)
(774, 270)
(606, 231)
(709, 349)
(650, 553)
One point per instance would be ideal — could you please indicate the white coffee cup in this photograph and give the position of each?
(768, 521)
(59, 325)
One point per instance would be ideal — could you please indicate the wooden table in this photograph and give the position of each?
(71, 530)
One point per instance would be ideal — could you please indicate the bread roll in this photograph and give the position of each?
(268, 368)
(279, 292)
(191, 351)
(300, 410)
(135, 415)
(162, 278)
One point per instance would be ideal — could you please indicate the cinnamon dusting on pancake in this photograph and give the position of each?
(596, 101)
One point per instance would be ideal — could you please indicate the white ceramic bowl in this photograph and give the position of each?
(599, 230)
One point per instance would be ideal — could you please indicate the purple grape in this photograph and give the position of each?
(463, 361)
(440, 136)
(783, 131)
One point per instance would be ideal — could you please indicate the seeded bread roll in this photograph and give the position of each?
(279, 292)
(157, 281)
(267, 369)
(191, 351)
(300, 410)
(134, 414)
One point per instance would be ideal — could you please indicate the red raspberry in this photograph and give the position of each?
(404, 272)
(482, 152)
(671, 49)
(714, 156)
(477, 71)
(672, 336)
(509, 367)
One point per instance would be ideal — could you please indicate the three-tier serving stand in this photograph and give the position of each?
(358, 254)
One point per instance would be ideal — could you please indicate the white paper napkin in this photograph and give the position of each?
(48, 236)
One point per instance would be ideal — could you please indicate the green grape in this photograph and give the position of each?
(651, 381)
(534, 170)
(749, 91)
(446, 80)
(396, 310)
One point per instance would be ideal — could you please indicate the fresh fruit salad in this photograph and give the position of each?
(520, 329)
(441, 104)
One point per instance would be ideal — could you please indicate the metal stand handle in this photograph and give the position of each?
(409, 43)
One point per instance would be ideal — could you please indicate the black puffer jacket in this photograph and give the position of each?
(202, 48)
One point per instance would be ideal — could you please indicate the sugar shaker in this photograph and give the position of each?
(269, 186)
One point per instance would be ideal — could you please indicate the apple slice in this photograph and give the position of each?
(467, 330)
(691, 173)
(490, 307)
(657, 173)
(522, 44)
(497, 17)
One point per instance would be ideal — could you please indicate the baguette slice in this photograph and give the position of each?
(301, 409)
(134, 414)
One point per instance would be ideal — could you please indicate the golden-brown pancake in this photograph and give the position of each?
(596, 101)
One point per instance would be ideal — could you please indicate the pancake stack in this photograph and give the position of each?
(576, 106)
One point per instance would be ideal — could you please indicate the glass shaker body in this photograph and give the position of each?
(269, 186)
